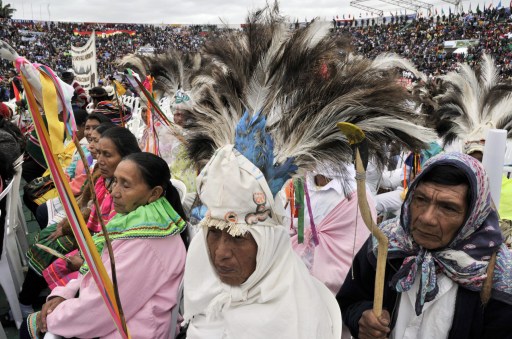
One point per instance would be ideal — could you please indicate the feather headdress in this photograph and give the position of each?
(171, 71)
(276, 94)
(471, 102)
(301, 84)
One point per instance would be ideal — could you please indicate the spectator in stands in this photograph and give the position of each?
(79, 96)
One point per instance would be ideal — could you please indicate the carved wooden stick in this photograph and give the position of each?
(355, 136)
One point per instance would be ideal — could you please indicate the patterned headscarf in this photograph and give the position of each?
(466, 258)
(110, 108)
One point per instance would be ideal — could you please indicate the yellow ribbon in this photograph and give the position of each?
(51, 110)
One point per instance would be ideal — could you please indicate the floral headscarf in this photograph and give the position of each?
(466, 258)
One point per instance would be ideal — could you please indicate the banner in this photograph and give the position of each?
(84, 62)
(106, 33)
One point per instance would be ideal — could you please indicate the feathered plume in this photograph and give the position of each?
(278, 93)
(293, 87)
(472, 102)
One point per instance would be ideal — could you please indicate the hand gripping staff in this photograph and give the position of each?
(358, 141)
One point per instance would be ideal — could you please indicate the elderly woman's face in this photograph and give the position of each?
(130, 190)
(437, 213)
(234, 258)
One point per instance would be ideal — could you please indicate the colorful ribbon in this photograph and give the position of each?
(50, 92)
(298, 184)
(310, 213)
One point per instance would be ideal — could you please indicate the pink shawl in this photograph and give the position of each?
(341, 234)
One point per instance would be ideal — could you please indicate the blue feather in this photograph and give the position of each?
(253, 141)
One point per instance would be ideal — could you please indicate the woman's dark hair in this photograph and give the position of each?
(155, 172)
(104, 126)
(123, 139)
(80, 116)
(99, 117)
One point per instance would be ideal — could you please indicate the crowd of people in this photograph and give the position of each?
(419, 39)
(247, 195)
(49, 42)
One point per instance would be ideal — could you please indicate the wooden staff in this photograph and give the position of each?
(356, 137)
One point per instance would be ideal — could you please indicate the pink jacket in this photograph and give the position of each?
(149, 272)
(340, 234)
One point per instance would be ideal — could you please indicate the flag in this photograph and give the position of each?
(490, 5)
(470, 8)
(343, 16)
(437, 12)
(391, 14)
(499, 5)
(478, 9)
(449, 11)
(442, 11)
(119, 88)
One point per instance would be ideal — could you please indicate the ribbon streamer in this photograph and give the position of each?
(299, 206)
(51, 90)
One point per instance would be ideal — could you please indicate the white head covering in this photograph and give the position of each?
(280, 298)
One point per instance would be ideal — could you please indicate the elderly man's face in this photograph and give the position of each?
(437, 213)
(179, 117)
(234, 258)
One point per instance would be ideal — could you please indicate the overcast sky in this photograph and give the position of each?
(194, 11)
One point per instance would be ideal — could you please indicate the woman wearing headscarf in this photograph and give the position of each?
(242, 278)
(149, 258)
(448, 273)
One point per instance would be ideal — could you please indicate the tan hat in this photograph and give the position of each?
(235, 193)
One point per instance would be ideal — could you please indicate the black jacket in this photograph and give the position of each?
(471, 319)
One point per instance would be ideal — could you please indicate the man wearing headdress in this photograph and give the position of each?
(448, 273)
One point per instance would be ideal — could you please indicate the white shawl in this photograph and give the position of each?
(280, 299)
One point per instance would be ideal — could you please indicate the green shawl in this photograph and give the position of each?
(155, 220)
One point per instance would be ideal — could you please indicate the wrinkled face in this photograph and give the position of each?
(234, 258)
(90, 125)
(477, 155)
(179, 117)
(108, 157)
(437, 213)
(93, 144)
(130, 190)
